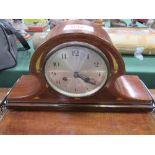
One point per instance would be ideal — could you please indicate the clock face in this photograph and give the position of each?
(76, 69)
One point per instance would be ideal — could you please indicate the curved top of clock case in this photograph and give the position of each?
(79, 31)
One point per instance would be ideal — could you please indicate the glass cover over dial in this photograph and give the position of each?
(76, 69)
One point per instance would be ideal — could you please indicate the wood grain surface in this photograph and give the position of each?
(29, 122)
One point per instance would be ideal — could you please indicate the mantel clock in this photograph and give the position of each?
(78, 68)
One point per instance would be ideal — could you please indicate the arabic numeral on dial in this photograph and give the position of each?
(63, 56)
(88, 57)
(58, 82)
(56, 64)
(99, 74)
(96, 64)
(75, 53)
(53, 73)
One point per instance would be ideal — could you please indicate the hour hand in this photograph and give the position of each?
(84, 78)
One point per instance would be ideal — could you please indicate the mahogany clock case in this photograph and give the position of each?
(120, 93)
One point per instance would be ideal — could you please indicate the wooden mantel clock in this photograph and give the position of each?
(77, 68)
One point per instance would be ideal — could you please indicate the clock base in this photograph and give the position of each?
(132, 96)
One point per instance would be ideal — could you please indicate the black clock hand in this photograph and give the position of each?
(84, 78)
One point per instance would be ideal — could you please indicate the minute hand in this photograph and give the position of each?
(85, 78)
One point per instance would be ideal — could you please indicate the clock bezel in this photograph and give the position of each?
(86, 45)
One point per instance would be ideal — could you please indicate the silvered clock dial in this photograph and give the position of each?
(76, 69)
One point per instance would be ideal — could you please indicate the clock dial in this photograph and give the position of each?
(76, 69)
